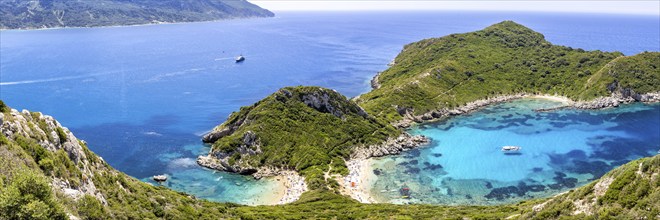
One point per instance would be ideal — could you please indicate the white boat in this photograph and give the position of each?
(240, 58)
(511, 148)
(160, 178)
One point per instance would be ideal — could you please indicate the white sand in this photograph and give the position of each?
(358, 174)
(555, 98)
(294, 186)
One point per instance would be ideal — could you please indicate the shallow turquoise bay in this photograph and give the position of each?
(142, 96)
(561, 150)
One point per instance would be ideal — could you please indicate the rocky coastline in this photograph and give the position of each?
(391, 146)
(354, 184)
(611, 101)
(409, 119)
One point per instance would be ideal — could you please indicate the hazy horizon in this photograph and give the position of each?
(651, 7)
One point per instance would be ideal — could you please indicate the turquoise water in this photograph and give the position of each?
(561, 150)
(142, 96)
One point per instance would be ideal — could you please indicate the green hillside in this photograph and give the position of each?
(43, 162)
(300, 128)
(505, 58)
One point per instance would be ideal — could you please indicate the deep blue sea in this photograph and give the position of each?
(141, 96)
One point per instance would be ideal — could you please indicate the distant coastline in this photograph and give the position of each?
(134, 25)
(38, 14)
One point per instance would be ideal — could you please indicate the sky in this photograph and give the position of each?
(644, 7)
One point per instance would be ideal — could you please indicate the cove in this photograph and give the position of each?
(142, 96)
(561, 150)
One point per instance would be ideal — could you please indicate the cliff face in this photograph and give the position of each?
(19, 14)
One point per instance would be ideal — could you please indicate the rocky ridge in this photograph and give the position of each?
(53, 137)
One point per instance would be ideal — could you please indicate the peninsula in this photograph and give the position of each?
(316, 131)
(318, 136)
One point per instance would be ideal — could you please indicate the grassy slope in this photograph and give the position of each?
(634, 192)
(26, 169)
(505, 58)
(640, 73)
(296, 136)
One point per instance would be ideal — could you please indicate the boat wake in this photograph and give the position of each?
(50, 79)
(224, 58)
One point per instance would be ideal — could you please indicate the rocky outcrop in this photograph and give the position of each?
(616, 99)
(326, 101)
(374, 81)
(213, 162)
(391, 146)
(221, 160)
(223, 131)
(599, 103)
(53, 137)
(409, 118)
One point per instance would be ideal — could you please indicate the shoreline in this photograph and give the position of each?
(562, 99)
(614, 100)
(356, 183)
(359, 166)
(294, 186)
(134, 25)
(358, 170)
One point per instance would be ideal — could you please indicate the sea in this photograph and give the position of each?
(142, 97)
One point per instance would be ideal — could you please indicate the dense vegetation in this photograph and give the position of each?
(16, 14)
(633, 193)
(300, 128)
(632, 74)
(25, 193)
(505, 58)
(310, 129)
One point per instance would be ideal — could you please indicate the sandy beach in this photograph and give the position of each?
(555, 98)
(358, 174)
(288, 188)
(294, 186)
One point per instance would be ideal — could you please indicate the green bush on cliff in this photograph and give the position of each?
(505, 58)
(28, 196)
(4, 108)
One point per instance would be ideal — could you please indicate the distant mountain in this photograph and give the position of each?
(22, 14)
